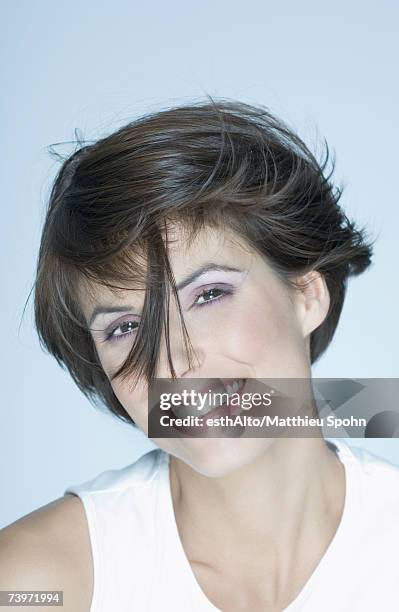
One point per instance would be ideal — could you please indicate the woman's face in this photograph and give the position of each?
(243, 322)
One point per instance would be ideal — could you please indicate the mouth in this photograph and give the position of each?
(212, 407)
(214, 396)
(220, 407)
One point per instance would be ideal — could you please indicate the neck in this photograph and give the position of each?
(293, 491)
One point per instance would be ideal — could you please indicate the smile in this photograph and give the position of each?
(211, 398)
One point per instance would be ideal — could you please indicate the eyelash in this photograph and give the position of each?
(224, 292)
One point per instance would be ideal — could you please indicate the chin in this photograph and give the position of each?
(219, 457)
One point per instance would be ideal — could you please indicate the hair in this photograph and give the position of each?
(224, 164)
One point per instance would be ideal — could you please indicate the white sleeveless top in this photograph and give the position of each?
(140, 564)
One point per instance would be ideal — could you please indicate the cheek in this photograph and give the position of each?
(113, 357)
(261, 330)
(134, 401)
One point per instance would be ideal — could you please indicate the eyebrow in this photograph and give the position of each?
(208, 267)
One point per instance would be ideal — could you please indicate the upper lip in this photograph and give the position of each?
(213, 385)
(217, 383)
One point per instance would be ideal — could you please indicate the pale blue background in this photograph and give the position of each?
(327, 68)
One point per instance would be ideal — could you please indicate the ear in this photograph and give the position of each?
(312, 301)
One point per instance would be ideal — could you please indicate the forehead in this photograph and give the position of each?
(187, 250)
(186, 253)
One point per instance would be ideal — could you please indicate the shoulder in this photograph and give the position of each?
(378, 490)
(142, 471)
(49, 549)
(379, 472)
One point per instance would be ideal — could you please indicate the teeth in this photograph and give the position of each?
(183, 411)
(235, 386)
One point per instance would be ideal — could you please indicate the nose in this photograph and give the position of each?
(178, 353)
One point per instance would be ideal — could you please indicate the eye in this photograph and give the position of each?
(213, 294)
(129, 326)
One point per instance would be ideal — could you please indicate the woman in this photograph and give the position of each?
(204, 241)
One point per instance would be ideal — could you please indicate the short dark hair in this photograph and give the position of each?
(221, 163)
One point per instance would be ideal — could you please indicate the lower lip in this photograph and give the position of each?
(218, 412)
